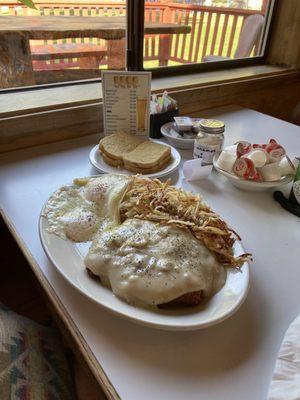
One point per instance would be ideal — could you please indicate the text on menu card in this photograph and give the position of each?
(126, 98)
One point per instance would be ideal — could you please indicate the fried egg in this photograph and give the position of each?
(78, 211)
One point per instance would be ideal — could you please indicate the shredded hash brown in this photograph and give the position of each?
(153, 200)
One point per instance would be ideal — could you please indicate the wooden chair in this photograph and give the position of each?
(249, 37)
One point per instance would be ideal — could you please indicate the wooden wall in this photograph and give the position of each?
(284, 47)
(277, 96)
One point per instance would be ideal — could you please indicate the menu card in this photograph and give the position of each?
(126, 98)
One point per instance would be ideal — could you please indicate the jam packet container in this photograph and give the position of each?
(183, 124)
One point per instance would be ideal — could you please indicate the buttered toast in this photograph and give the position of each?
(147, 157)
(134, 154)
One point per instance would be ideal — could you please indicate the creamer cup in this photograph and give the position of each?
(244, 168)
(258, 156)
(270, 172)
(286, 166)
(276, 155)
(226, 161)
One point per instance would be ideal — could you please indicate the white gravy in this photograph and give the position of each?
(150, 264)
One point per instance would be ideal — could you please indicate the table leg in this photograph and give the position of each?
(164, 51)
(15, 61)
(116, 54)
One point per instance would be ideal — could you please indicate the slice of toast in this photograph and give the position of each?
(143, 171)
(114, 162)
(117, 144)
(119, 163)
(146, 157)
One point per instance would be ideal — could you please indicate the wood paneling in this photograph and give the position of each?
(49, 126)
(284, 48)
(277, 96)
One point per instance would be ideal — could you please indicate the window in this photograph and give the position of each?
(69, 40)
(212, 31)
(60, 40)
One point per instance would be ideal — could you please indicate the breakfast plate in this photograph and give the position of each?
(68, 258)
(98, 162)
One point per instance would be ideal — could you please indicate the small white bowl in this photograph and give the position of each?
(251, 186)
(174, 138)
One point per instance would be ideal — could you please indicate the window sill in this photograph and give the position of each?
(35, 117)
(16, 103)
(218, 77)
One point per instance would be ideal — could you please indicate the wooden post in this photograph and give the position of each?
(165, 41)
(164, 50)
(15, 61)
(116, 54)
(264, 6)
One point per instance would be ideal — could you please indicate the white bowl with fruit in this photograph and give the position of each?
(255, 167)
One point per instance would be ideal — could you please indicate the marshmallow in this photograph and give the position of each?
(270, 172)
(226, 161)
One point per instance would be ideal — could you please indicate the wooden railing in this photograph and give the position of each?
(214, 30)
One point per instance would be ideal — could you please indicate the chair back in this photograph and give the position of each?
(249, 36)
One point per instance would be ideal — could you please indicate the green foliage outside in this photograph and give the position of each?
(28, 3)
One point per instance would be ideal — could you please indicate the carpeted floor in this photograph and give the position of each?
(19, 288)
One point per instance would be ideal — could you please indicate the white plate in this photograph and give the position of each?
(97, 161)
(250, 185)
(174, 138)
(68, 256)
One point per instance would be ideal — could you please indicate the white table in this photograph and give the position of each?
(231, 361)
